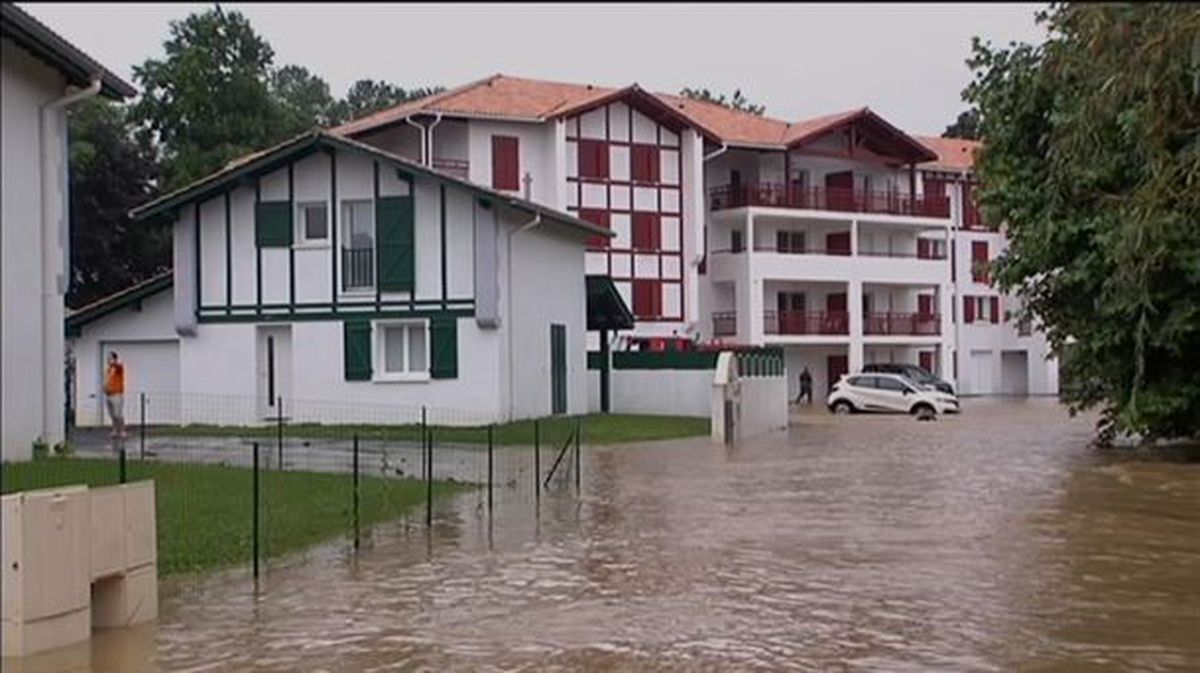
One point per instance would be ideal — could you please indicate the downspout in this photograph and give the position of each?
(537, 219)
(429, 137)
(716, 153)
(408, 120)
(56, 247)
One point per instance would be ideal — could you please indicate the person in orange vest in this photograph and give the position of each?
(114, 393)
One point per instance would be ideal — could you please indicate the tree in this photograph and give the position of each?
(1092, 162)
(736, 102)
(209, 100)
(367, 95)
(302, 98)
(112, 170)
(966, 127)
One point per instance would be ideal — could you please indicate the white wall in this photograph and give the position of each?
(669, 392)
(154, 323)
(537, 151)
(32, 357)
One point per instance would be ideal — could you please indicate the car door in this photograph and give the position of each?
(867, 392)
(890, 394)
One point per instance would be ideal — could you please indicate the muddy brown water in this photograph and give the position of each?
(996, 541)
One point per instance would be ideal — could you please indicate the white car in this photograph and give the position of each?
(887, 392)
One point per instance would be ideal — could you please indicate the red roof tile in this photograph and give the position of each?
(954, 154)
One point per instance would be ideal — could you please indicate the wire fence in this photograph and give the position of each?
(240, 481)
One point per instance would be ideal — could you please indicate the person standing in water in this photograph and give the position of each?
(805, 386)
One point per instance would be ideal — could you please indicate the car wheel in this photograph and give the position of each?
(923, 410)
(842, 407)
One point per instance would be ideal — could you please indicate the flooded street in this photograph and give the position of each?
(993, 541)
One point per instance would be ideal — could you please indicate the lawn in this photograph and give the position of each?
(205, 512)
(598, 429)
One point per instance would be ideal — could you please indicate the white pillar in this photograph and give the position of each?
(854, 304)
(949, 341)
(854, 238)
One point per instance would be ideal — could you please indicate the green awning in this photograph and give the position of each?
(606, 310)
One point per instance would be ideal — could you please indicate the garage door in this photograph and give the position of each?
(981, 373)
(151, 367)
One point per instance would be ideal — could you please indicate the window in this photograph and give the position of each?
(789, 242)
(890, 384)
(979, 261)
(645, 163)
(981, 309)
(506, 165)
(593, 159)
(314, 223)
(735, 241)
(600, 218)
(358, 247)
(403, 351)
(647, 299)
(647, 231)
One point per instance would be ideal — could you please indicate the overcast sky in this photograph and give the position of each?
(904, 61)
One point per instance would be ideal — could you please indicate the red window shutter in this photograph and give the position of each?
(837, 244)
(996, 309)
(923, 248)
(979, 260)
(647, 299)
(600, 218)
(925, 305)
(968, 310)
(647, 231)
(506, 166)
(644, 163)
(593, 159)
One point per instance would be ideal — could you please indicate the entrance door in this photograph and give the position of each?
(835, 366)
(836, 319)
(274, 370)
(926, 360)
(839, 191)
(558, 369)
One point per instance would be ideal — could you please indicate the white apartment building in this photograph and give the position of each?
(842, 238)
(41, 75)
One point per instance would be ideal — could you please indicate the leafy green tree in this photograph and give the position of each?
(113, 169)
(209, 100)
(367, 95)
(1092, 163)
(966, 127)
(735, 102)
(302, 98)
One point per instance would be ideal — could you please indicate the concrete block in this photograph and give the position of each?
(108, 531)
(125, 600)
(141, 525)
(56, 549)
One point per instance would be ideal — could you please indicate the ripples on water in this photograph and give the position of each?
(994, 541)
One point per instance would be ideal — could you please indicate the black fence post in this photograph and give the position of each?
(578, 432)
(356, 494)
(489, 445)
(142, 426)
(429, 481)
(424, 435)
(537, 462)
(254, 516)
(279, 432)
(122, 461)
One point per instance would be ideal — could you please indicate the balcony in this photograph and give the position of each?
(358, 268)
(803, 323)
(778, 195)
(724, 323)
(459, 168)
(902, 324)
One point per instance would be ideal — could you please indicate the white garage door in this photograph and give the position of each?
(151, 367)
(981, 373)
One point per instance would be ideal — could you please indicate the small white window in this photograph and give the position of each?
(402, 349)
(313, 220)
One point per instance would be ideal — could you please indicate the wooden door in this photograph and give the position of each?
(839, 190)
(835, 366)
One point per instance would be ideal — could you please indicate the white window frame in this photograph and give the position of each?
(344, 225)
(379, 353)
(301, 238)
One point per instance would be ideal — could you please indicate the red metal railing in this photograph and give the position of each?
(724, 323)
(459, 168)
(902, 324)
(778, 195)
(806, 322)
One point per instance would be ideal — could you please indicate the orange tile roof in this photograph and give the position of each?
(954, 154)
(502, 96)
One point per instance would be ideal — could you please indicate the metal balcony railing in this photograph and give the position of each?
(806, 322)
(902, 324)
(358, 268)
(778, 195)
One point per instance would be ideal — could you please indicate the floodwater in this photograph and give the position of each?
(996, 541)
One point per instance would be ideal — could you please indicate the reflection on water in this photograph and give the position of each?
(993, 541)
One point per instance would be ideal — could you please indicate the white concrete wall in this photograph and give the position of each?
(153, 324)
(31, 366)
(668, 392)
(537, 156)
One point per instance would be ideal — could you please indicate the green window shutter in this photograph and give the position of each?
(397, 249)
(443, 347)
(357, 350)
(273, 224)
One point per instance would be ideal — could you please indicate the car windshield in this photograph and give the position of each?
(919, 375)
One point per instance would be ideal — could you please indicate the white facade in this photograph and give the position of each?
(342, 321)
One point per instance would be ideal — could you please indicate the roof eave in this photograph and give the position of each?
(46, 45)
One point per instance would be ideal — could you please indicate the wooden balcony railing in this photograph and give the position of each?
(459, 168)
(358, 268)
(724, 323)
(902, 324)
(778, 195)
(806, 322)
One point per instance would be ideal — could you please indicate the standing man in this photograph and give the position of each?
(805, 386)
(114, 393)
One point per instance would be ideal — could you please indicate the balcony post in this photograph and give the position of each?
(854, 304)
(854, 238)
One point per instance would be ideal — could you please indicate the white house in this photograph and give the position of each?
(41, 75)
(344, 280)
(841, 238)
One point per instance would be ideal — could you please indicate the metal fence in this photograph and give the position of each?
(243, 481)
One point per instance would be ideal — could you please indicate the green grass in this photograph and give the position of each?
(598, 429)
(205, 511)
